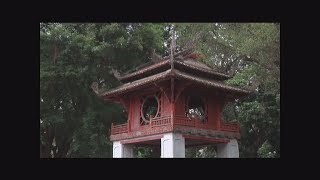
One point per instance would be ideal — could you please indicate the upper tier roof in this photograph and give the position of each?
(188, 64)
(185, 68)
(131, 86)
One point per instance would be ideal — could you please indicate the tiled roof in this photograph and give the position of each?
(130, 86)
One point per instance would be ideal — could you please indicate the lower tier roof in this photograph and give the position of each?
(176, 74)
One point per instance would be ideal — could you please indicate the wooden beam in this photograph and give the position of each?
(164, 90)
(131, 141)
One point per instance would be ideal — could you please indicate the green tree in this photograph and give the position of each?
(250, 52)
(73, 121)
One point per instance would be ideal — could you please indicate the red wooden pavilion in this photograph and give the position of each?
(173, 104)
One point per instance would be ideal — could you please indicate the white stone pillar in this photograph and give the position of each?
(122, 150)
(228, 150)
(172, 146)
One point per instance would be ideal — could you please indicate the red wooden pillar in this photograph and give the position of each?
(218, 113)
(130, 115)
(172, 111)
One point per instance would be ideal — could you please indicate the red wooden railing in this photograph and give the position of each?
(184, 121)
(118, 129)
(233, 127)
(155, 122)
(180, 121)
(160, 121)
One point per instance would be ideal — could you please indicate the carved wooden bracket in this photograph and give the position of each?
(179, 89)
(164, 90)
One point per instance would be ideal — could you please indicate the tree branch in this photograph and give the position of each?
(269, 67)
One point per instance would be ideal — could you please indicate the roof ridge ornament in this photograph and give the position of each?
(96, 89)
(172, 46)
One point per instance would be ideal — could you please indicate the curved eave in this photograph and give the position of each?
(145, 71)
(237, 92)
(165, 64)
(136, 84)
(209, 73)
(131, 86)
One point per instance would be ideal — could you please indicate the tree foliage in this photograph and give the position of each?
(253, 51)
(73, 121)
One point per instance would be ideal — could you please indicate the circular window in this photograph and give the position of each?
(150, 108)
(196, 108)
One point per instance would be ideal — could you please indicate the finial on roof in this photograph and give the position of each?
(172, 45)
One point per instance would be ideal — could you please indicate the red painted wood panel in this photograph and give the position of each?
(214, 111)
(131, 141)
(135, 114)
(214, 106)
(165, 105)
(180, 105)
